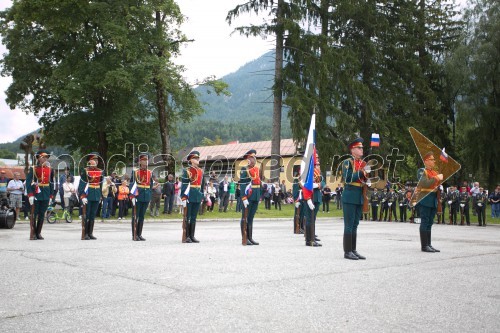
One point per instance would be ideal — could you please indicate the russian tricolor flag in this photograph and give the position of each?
(309, 161)
(134, 191)
(443, 157)
(375, 142)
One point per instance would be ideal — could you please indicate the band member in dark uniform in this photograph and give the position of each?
(39, 182)
(453, 203)
(375, 202)
(392, 199)
(464, 199)
(481, 200)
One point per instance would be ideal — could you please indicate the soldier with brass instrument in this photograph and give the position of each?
(441, 215)
(141, 185)
(480, 201)
(392, 199)
(250, 184)
(90, 191)
(354, 172)
(375, 202)
(192, 188)
(384, 208)
(453, 204)
(39, 183)
(464, 199)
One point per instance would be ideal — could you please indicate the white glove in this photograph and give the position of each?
(31, 200)
(84, 201)
(133, 201)
(480, 204)
(377, 205)
(245, 203)
(400, 205)
(368, 183)
(310, 204)
(449, 202)
(462, 205)
(315, 185)
(184, 203)
(390, 204)
(297, 204)
(367, 168)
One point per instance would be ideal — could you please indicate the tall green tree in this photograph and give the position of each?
(280, 12)
(479, 108)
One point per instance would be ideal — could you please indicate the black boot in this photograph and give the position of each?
(87, 229)
(91, 231)
(39, 226)
(134, 238)
(243, 233)
(310, 237)
(249, 234)
(354, 238)
(192, 229)
(429, 243)
(348, 248)
(188, 234)
(139, 234)
(423, 242)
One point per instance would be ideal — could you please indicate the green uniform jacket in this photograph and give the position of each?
(352, 194)
(245, 179)
(45, 191)
(94, 194)
(144, 193)
(195, 194)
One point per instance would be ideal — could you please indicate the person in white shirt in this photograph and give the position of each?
(69, 189)
(16, 188)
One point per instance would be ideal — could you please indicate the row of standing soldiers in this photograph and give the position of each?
(458, 203)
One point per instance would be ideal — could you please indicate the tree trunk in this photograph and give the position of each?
(278, 96)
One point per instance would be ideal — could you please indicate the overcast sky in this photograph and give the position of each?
(214, 52)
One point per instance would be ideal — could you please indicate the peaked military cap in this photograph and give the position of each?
(42, 153)
(193, 154)
(358, 142)
(251, 152)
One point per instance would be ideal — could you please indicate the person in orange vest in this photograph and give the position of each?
(39, 182)
(141, 185)
(90, 191)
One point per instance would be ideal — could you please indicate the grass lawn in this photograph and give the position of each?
(287, 211)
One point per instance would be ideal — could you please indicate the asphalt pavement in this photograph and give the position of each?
(112, 284)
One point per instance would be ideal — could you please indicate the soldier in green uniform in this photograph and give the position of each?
(429, 180)
(250, 184)
(354, 173)
(141, 184)
(192, 188)
(374, 202)
(39, 182)
(90, 191)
